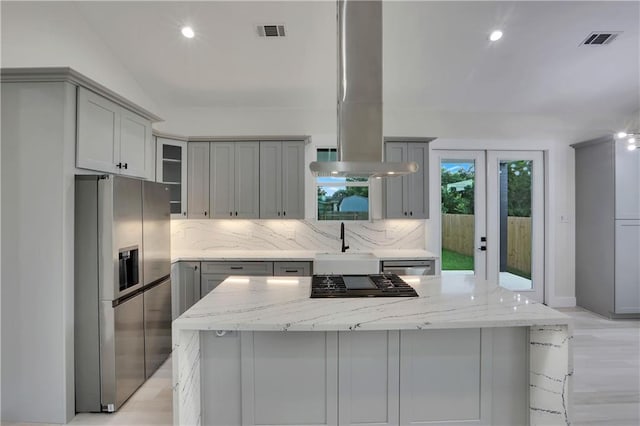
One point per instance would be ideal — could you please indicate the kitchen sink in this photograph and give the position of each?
(346, 263)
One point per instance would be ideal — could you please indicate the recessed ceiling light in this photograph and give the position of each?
(632, 147)
(631, 140)
(188, 32)
(495, 35)
(622, 135)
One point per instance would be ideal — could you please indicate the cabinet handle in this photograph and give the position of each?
(410, 213)
(236, 213)
(278, 213)
(230, 213)
(184, 213)
(236, 267)
(195, 268)
(284, 213)
(291, 270)
(125, 165)
(119, 165)
(205, 213)
(405, 213)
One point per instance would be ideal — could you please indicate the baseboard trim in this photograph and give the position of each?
(562, 302)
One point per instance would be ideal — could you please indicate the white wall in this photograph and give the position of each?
(54, 34)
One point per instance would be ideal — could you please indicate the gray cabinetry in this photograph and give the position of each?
(437, 377)
(193, 280)
(185, 286)
(607, 218)
(213, 273)
(282, 180)
(171, 169)
(627, 267)
(627, 181)
(300, 269)
(111, 138)
(408, 196)
(198, 180)
(368, 377)
(289, 378)
(235, 184)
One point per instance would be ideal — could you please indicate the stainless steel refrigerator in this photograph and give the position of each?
(122, 287)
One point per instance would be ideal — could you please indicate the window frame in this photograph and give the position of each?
(365, 184)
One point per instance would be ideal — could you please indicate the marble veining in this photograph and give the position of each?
(550, 370)
(310, 235)
(186, 378)
(277, 303)
(283, 304)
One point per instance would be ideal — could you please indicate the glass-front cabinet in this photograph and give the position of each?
(171, 169)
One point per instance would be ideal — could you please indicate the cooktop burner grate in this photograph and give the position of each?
(383, 285)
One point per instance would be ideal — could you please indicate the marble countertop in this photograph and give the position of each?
(284, 255)
(279, 303)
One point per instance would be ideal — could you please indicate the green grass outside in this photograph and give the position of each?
(452, 261)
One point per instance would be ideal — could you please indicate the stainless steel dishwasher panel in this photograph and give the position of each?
(122, 351)
(409, 267)
(157, 326)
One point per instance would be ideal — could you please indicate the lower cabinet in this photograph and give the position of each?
(436, 377)
(213, 273)
(185, 286)
(193, 280)
(299, 269)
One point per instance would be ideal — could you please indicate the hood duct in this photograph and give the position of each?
(360, 137)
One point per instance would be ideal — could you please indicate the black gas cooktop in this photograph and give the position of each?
(384, 285)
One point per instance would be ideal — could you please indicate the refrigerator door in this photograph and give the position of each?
(156, 231)
(120, 236)
(157, 325)
(122, 351)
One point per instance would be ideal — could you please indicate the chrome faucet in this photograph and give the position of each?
(344, 247)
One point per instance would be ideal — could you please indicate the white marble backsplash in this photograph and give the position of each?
(211, 234)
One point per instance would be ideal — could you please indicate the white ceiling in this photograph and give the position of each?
(436, 54)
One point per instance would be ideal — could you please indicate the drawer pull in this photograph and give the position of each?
(236, 267)
(292, 270)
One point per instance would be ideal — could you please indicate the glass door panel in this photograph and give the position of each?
(516, 225)
(462, 197)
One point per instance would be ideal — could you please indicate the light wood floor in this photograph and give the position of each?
(606, 382)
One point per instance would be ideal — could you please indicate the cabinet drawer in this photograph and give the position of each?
(238, 268)
(302, 269)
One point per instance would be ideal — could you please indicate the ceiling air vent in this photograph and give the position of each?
(271, 31)
(600, 38)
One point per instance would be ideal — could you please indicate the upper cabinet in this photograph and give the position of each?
(627, 177)
(198, 180)
(235, 180)
(282, 180)
(171, 169)
(407, 197)
(246, 180)
(111, 138)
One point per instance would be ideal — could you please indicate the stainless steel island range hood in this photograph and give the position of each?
(360, 138)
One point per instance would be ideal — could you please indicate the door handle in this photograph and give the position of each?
(482, 248)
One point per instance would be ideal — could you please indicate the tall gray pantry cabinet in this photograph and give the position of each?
(42, 150)
(608, 227)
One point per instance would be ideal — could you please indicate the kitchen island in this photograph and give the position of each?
(258, 350)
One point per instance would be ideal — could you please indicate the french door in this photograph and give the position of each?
(492, 221)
